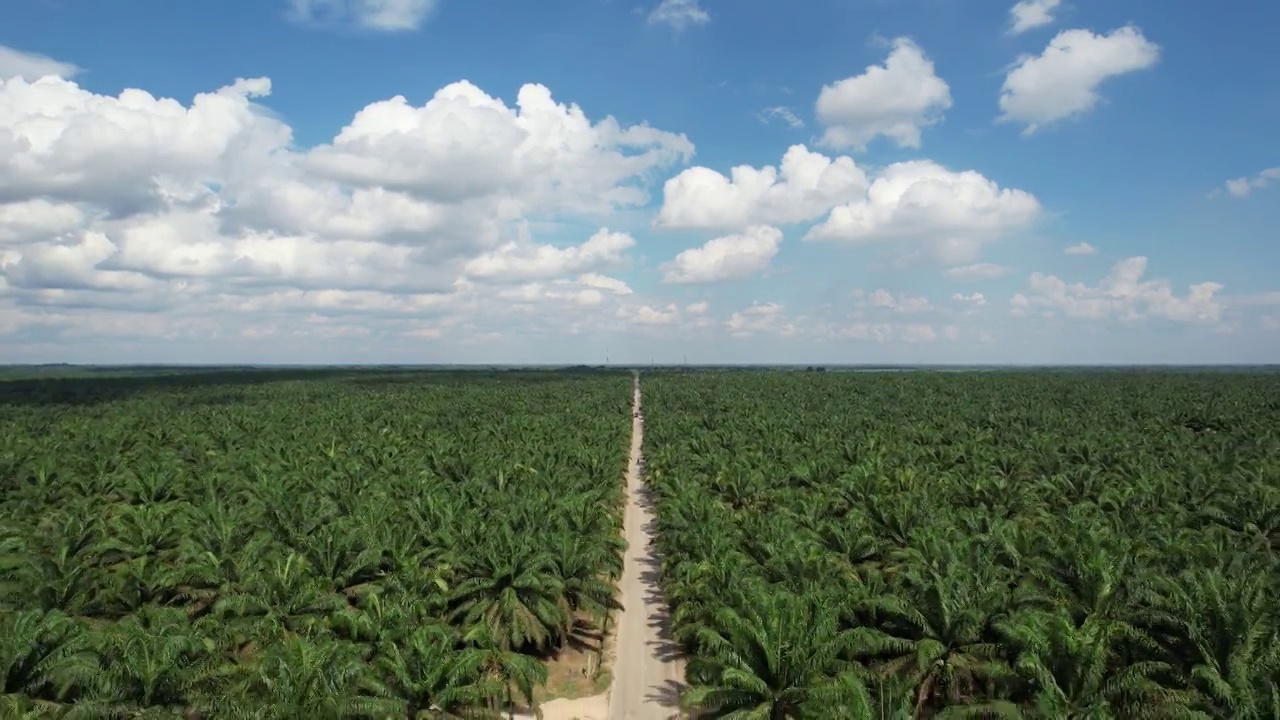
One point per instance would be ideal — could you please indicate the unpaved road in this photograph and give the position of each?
(648, 674)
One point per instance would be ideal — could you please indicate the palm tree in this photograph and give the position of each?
(511, 670)
(430, 671)
(939, 629)
(778, 656)
(1077, 673)
(284, 596)
(43, 654)
(1229, 622)
(150, 660)
(514, 591)
(54, 567)
(341, 554)
(304, 678)
(578, 566)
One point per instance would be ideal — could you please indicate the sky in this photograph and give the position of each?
(701, 181)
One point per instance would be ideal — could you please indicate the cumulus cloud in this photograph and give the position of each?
(804, 186)
(37, 219)
(732, 257)
(130, 152)
(204, 214)
(1123, 294)
(679, 14)
(1062, 82)
(464, 144)
(31, 66)
(976, 299)
(953, 214)
(895, 100)
(1243, 186)
(375, 15)
(523, 260)
(1081, 248)
(649, 315)
(661, 320)
(1030, 14)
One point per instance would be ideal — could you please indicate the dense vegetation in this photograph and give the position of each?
(1048, 545)
(309, 545)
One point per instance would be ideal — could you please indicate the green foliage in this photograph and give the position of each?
(322, 545)
(1048, 545)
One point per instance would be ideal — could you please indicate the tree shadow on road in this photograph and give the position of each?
(667, 696)
(664, 648)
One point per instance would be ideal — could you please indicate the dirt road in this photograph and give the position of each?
(647, 672)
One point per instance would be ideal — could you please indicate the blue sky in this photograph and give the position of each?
(1043, 181)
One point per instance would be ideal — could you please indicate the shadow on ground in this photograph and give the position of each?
(664, 648)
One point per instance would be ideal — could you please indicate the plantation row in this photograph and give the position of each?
(367, 546)
(1044, 545)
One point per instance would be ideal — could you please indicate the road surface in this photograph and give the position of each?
(648, 674)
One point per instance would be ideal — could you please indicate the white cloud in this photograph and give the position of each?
(30, 66)
(679, 14)
(129, 152)
(804, 186)
(1062, 82)
(132, 226)
(760, 318)
(1240, 187)
(38, 219)
(329, 301)
(602, 282)
(732, 257)
(977, 299)
(952, 213)
(783, 113)
(1123, 294)
(464, 144)
(579, 293)
(978, 271)
(376, 15)
(895, 100)
(1029, 14)
(901, 303)
(1081, 248)
(886, 332)
(523, 260)
(144, 216)
(649, 315)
